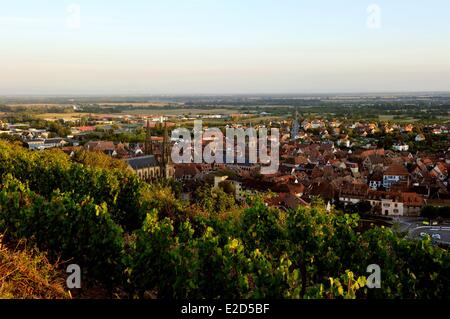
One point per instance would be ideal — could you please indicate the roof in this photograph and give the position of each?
(358, 190)
(85, 128)
(412, 199)
(296, 188)
(367, 153)
(286, 200)
(375, 159)
(54, 140)
(186, 169)
(100, 146)
(142, 162)
(377, 175)
(379, 195)
(396, 170)
(323, 189)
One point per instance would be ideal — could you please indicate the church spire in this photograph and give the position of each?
(166, 162)
(148, 140)
(295, 126)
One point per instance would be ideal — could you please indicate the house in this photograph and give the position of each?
(386, 203)
(286, 201)
(395, 173)
(400, 147)
(420, 138)
(412, 203)
(373, 161)
(353, 167)
(42, 144)
(383, 203)
(375, 180)
(186, 172)
(436, 131)
(344, 142)
(83, 129)
(323, 189)
(353, 193)
(365, 154)
(392, 205)
(238, 193)
(297, 189)
(439, 171)
(106, 147)
(408, 128)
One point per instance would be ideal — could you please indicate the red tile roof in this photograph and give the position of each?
(396, 170)
(412, 199)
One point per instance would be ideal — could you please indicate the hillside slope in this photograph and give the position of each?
(27, 274)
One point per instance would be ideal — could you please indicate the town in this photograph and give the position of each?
(378, 166)
(236, 151)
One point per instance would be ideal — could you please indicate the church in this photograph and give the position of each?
(156, 163)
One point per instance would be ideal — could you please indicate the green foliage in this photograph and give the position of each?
(123, 231)
(362, 207)
(98, 159)
(198, 265)
(410, 269)
(81, 231)
(433, 212)
(58, 129)
(348, 286)
(11, 138)
(51, 170)
(214, 199)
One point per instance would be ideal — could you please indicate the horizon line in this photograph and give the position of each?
(124, 95)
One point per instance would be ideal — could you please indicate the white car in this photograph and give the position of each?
(436, 236)
(423, 234)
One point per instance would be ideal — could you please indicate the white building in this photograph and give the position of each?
(400, 147)
(391, 207)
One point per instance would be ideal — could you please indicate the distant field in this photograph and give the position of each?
(139, 104)
(58, 116)
(407, 120)
(385, 117)
(263, 118)
(38, 105)
(106, 104)
(179, 112)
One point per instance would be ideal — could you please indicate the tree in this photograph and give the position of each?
(228, 187)
(430, 212)
(98, 160)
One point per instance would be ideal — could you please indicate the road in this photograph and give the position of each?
(444, 232)
(414, 226)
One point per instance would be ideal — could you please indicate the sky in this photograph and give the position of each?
(223, 46)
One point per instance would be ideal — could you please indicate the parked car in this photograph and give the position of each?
(436, 236)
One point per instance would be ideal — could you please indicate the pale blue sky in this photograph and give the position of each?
(223, 46)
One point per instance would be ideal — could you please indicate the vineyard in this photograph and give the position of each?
(143, 240)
